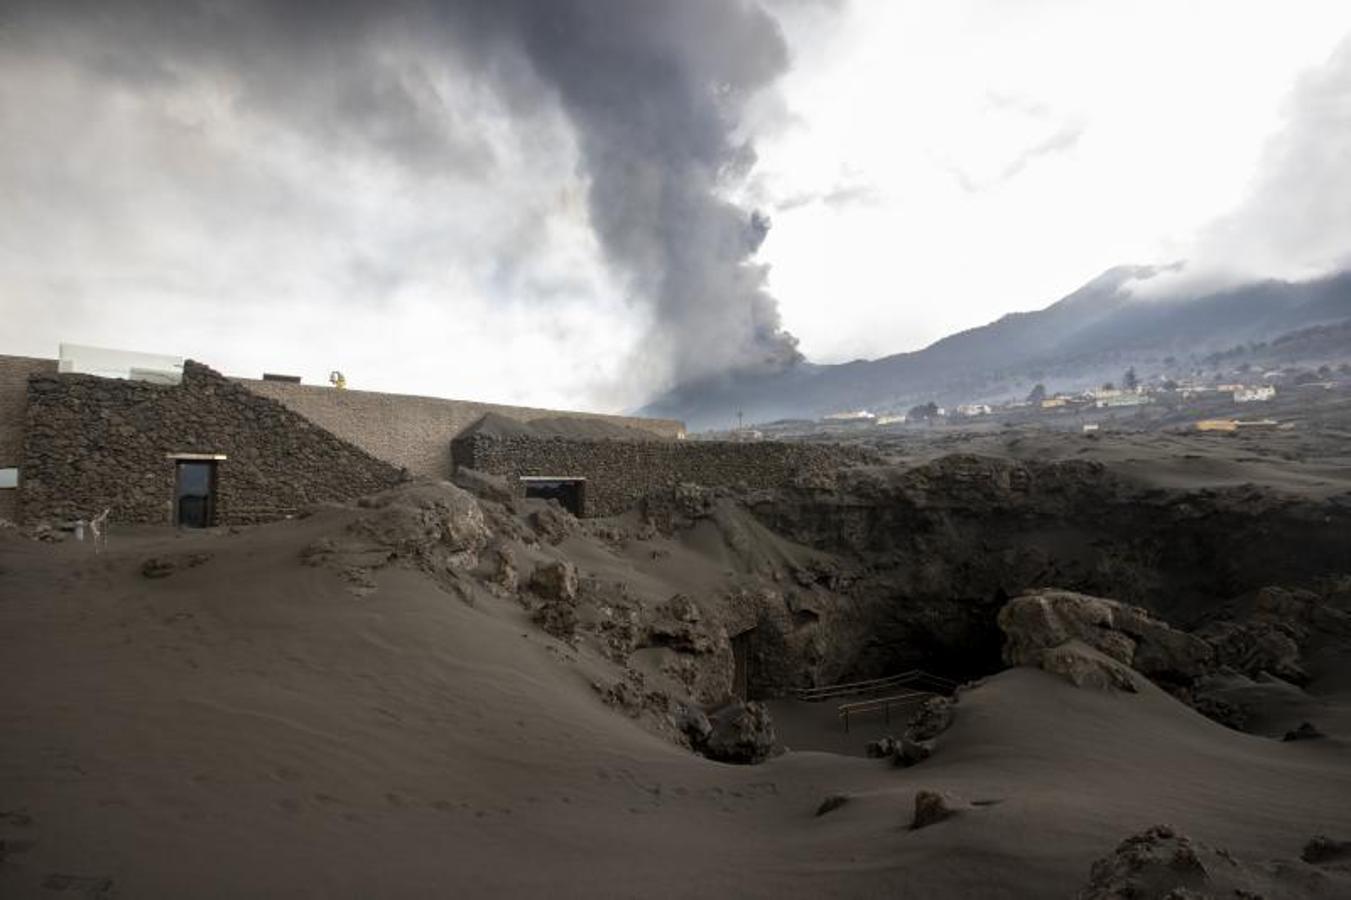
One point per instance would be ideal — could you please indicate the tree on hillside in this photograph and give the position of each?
(1129, 381)
(1037, 394)
(924, 412)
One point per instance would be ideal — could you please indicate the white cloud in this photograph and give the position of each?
(928, 166)
(1016, 150)
(1294, 223)
(181, 218)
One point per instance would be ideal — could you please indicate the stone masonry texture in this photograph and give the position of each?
(93, 443)
(414, 433)
(621, 474)
(14, 372)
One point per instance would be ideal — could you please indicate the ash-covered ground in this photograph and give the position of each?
(446, 691)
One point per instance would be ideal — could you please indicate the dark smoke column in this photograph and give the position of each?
(655, 91)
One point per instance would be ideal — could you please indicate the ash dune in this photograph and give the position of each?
(432, 693)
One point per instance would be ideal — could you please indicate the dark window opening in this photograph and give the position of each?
(195, 494)
(569, 492)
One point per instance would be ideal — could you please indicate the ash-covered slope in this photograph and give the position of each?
(431, 694)
(1089, 336)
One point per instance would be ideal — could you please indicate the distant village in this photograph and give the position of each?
(1244, 398)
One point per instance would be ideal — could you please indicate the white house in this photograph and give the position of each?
(1254, 395)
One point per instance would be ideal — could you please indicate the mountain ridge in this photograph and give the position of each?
(1089, 335)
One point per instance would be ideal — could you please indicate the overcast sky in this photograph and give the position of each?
(551, 202)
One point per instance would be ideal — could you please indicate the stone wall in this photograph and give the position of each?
(415, 432)
(96, 442)
(14, 372)
(621, 474)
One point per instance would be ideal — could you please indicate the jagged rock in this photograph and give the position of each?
(433, 523)
(933, 717)
(44, 532)
(832, 803)
(501, 569)
(1150, 864)
(806, 608)
(683, 609)
(692, 501)
(1301, 612)
(609, 532)
(694, 724)
(1321, 849)
(556, 581)
(615, 618)
(164, 566)
(1220, 709)
(931, 807)
(557, 617)
(1083, 666)
(742, 733)
(552, 523)
(916, 744)
(556, 584)
(1161, 864)
(1305, 732)
(655, 708)
(1046, 619)
(697, 652)
(677, 624)
(483, 484)
(910, 752)
(1257, 646)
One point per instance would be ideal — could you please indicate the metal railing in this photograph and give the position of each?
(914, 678)
(905, 698)
(902, 689)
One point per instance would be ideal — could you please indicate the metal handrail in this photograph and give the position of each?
(882, 703)
(873, 685)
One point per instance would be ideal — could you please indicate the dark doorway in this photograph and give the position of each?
(569, 492)
(741, 664)
(195, 494)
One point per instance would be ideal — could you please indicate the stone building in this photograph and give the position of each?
(201, 452)
(606, 474)
(157, 440)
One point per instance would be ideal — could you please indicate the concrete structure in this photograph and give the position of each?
(974, 409)
(14, 374)
(1217, 425)
(108, 429)
(857, 415)
(413, 432)
(1254, 395)
(199, 448)
(206, 451)
(107, 363)
(1123, 399)
(1237, 424)
(612, 476)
